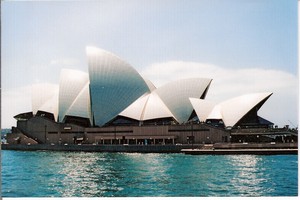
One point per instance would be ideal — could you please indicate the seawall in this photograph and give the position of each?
(239, 151)
(99, 148)
(221, 147)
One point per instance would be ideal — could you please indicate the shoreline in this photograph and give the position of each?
(240, 151)
(208, 149)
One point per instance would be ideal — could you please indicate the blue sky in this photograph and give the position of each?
(41, 38)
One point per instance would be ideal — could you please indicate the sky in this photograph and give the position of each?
(245, 46)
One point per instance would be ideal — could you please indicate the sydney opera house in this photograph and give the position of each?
(114, 104)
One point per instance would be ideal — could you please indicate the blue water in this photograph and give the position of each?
(81, 174)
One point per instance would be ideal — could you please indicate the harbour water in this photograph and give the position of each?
(83, 174)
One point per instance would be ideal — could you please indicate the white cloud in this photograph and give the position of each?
(228, 83)
(13, 102)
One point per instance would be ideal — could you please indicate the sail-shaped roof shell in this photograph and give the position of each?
(202, 108)
(74, 96)
(147, 107)
(150, 85)
(230, 111)
(176, 95)
(114, 84)
(234, 109)
(135, 110)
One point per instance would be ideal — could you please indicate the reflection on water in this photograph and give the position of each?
(249, 177)
(85, 174)
(78, 174)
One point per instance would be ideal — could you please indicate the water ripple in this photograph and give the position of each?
(80, 174)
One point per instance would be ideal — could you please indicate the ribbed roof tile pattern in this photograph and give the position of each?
(135, 110)
(234, 109)
(230, 111)
(176, 96)
(74, 96)
(147, 107)
(202, 108)
(150, 85)
(114, 84)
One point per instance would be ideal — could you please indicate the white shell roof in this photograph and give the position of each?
(135, 110)
(216, 113)
(230, 111)
(176, 96)
(202, 108)
(155, 108)
(45, 98)
(74, 96)
(234, 109)
(114, 84)
(150, 85)
(147, 107)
